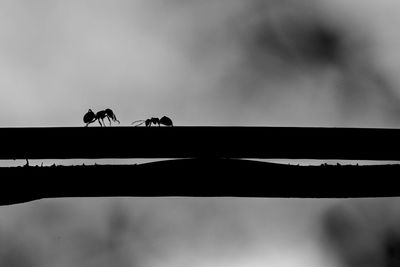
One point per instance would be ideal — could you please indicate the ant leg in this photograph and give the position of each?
(100, 122)
(109, 120)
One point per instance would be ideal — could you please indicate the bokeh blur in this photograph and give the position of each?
(209, 62)
(85, 232)
(212, 62)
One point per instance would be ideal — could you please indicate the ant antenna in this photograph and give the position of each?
(142, 121)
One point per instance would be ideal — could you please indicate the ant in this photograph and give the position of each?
(164, 121)
(91, 117)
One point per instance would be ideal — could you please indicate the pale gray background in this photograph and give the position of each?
(200, 232)
(209, 62)
(212, 62)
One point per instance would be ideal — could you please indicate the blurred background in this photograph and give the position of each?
(214, 62)
(210, 62)
(209, 232)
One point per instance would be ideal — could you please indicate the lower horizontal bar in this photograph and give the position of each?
(198, 177)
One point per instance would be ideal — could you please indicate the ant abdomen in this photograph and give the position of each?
(89, 117)
(166, 121)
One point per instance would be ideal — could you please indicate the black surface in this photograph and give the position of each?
(188, 142)
(198, 177)
(207, 167)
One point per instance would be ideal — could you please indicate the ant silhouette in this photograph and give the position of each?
(91, 117)
(164, 121)
(107, 113)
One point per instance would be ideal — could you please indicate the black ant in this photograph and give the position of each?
(91, 117)
(164, 121)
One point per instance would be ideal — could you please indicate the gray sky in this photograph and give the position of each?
(213, 62)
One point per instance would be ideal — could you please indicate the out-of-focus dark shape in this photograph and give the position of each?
(17, 252)
(392, 248)
(363, 234)
(282, 42)
(322, 43)
(295, 34)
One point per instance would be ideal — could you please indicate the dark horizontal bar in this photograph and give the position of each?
(200, 142)
(198, 178)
